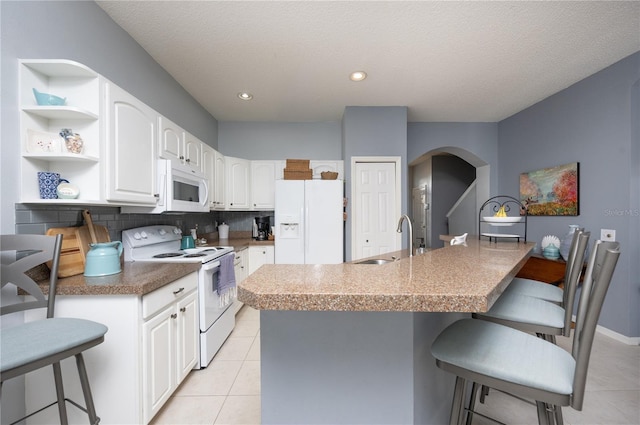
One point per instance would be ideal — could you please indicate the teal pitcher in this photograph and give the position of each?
(103, 259)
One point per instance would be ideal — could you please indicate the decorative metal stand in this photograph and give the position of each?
(516, 216)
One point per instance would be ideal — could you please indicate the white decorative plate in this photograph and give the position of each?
(502, 221)
(41, 142)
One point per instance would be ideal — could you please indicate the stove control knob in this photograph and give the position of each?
(144, 235)
(162, 232)
(176, 230)
(137, 236)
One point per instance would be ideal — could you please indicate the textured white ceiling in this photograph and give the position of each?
(446, 61)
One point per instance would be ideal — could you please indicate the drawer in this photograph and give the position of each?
(156, 300)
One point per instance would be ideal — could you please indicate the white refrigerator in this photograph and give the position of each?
(309, 226)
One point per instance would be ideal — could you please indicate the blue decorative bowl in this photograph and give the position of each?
(46, 99)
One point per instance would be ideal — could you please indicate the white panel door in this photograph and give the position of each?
(374, 208)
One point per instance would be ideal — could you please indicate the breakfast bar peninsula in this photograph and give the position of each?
(350, 343)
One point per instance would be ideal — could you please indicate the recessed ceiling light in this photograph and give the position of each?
(358, 76)
(245, 96)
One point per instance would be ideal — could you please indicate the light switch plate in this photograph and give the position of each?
(608, 235)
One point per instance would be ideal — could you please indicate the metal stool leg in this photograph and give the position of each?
(557, 411)
(457, 406)
(62, 407)
(472, 403)
(542, 413)
(86, 390)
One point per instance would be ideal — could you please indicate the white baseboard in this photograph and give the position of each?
(629, 340)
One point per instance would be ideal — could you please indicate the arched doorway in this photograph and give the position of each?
(448, 186)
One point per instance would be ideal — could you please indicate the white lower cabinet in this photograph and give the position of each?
(259, 255)
(240, 270)
(169, 341)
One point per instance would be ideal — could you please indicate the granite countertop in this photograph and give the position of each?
(239, 240)
(451, 279)
(139, 278)
(134, 279)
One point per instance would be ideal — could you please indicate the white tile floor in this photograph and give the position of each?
(228, 391)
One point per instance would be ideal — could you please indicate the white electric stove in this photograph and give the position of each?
(161, 243)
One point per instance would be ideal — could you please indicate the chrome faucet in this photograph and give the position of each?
(399, 230)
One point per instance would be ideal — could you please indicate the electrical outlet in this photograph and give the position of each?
(608, 235)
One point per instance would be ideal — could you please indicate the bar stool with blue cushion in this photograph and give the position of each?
(530, 314)
(543, 290)
(524, 365)
(39, 343)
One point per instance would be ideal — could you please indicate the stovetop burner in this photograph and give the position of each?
(168, 255)
(199, 254)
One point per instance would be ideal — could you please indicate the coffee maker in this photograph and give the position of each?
(263, 224)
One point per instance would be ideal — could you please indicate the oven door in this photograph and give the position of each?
(208, 299)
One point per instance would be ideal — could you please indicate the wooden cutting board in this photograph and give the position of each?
(71, 260)
(84, 238)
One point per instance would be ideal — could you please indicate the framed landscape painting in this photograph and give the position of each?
(551, 191)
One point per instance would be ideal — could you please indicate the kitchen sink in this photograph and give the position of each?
(376, 261)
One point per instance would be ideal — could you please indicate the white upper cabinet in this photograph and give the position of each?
(219, 185)
(132, 133)
(318, 166)
(41, 146)
(209, 170)
(178, 145)
(193, 151)
(263, 184)
(238, 183)
(171, 138)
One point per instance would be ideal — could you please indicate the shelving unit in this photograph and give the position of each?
(517, 216)
(81, 113)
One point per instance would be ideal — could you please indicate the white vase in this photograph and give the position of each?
(565, 245)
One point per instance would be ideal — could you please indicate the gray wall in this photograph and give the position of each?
(476, 143)
(594, 122)
(281, 140)
(81, 31)
(375, 131)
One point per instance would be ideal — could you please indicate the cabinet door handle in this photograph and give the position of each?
(178, 291)
(188, 160)
(156, 195)
(183, 309)
(174, 316)
(181, 157)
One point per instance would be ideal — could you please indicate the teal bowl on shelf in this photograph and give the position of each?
(46, 99)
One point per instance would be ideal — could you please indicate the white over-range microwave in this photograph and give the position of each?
(180, 189)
